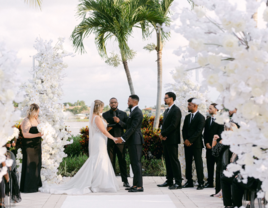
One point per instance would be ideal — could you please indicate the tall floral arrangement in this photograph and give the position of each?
(225, 41)
(185, 87)
(9, 92)
(45, 90)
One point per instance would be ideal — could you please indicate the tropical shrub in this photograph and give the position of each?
(84, 139)
(74, 149)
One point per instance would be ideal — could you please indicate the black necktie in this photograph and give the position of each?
(192, 116)
(165, 114)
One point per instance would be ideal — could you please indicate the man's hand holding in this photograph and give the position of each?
(187, 143)
(208, 146)
(116, 119)
(119, 140)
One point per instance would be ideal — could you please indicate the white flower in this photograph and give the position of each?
(265, 14)
(196, 44)
(202, 60)
(199, 11)
(214, 60)
(250, 110)
(230, 43)
(213, 79)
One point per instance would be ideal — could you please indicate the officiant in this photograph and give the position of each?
(116, 120)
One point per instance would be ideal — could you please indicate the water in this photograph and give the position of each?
(75, 127)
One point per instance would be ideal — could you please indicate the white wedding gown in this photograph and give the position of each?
(96, 175)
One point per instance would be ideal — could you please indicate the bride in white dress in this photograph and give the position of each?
(97, 174)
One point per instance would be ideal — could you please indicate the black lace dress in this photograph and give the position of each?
(31, 163)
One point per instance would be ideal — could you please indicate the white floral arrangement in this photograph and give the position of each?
(15, 134)
(9, 92)
(45, 90)
(225, 41)
(185, 88)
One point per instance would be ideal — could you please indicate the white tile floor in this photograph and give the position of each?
(151, 197)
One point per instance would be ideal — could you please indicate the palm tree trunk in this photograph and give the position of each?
(159, 80)
(129, 79)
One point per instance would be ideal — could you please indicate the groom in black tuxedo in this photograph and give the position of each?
(134, 140)
(193, 143)
(116, 120)
(170, 136)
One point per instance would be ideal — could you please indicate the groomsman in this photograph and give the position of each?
(211, 129)
(116, 124)
(134, 140)
(170, 135)
(192, 134)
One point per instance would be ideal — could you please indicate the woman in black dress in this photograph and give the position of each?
(31, 151)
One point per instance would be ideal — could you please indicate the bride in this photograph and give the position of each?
(97, 174)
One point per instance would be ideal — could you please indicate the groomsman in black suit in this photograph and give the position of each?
(170, 135)
(193, 143)
(116, 120)
(134, 140)
(211, 128)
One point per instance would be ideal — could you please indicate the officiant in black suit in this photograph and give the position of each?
(116, 120)
(170, 136)
(211, 128)
(134, 140)
(193, 143)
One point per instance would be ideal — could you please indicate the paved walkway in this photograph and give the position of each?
(152, 197)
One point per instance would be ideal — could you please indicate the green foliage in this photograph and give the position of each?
(150, 47)
(106, 108)
(114, 60)
(68, 103)
(74, 149)
(70, 165)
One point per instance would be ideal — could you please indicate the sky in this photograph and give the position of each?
(87, 77)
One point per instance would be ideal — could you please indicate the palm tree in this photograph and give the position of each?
(160, 7)
(35, 3)
(109, 19)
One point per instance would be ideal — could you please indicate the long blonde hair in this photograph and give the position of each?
(33, 110)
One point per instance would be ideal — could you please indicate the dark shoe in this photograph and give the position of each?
(212, 195)
(175, 186)
(128, 188)
(208, 185)
(136, 189)
(126, 185)
(200, 187)
(166, 184)
(188, 185)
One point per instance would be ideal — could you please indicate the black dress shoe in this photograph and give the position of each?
(212, 195)
(200, 187)
(136, 189)
(128, 188)
(188, 185)
(126, 184)
(166, 184)
(175, 186)
(208, 185)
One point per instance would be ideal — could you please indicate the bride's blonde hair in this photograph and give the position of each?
(98, 104)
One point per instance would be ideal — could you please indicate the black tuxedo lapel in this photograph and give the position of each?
(194, 119)
(168, 113)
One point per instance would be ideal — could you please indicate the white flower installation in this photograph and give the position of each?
(45, 90)
(185, 88)
(232, 51)
(9, 89)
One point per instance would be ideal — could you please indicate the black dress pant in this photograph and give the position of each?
(135, 152)
(119, 150)
(195, 153)
(173, 166)
(218, 174)
(237, 194)
(226, 186)
(211, 161)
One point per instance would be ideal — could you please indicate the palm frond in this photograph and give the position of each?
(35, 3)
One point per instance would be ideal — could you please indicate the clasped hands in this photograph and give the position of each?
(187, 143)
(118, 140)
(163, 138)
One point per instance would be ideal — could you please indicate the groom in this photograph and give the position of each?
(134, 140)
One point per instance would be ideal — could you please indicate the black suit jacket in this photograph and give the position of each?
(118, 129)
(193, 131)
(211, 130)
(133, 133)
(171, 126)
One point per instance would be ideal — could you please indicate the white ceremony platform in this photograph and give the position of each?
(152, 197)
